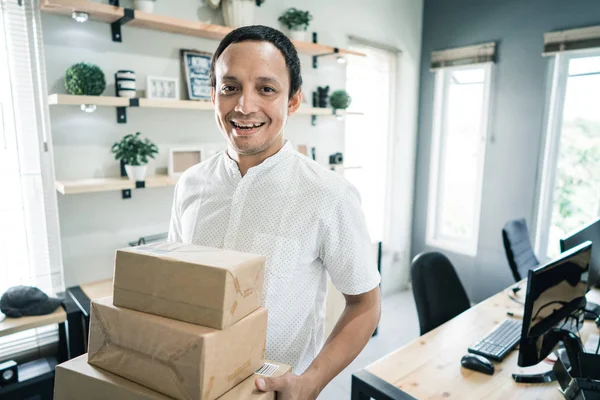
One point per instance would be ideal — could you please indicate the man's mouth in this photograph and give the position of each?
(247, 125)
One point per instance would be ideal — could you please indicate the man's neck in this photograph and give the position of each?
(245, 162)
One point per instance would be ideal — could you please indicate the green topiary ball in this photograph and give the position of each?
(340, 99)
(85, 79)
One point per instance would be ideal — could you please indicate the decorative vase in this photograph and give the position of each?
(144, 5)
(136, 172)
(237, 13)
(125, 83)
(299, 36)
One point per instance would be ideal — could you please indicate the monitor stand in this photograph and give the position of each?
(592, 311)
(573, 348)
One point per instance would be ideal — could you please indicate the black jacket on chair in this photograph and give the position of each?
(439, 294)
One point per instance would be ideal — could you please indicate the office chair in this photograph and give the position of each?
(519, 251)
(439, 294)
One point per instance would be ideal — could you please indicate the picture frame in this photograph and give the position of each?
(182, 158)
(302, 149)
(196, 72)
(162, 88)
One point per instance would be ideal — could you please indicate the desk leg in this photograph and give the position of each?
(63, 343)
(77, 331)
(366, 386)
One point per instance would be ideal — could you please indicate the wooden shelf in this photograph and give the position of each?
(110, 184)
(72, 100)
(109, 14)
(14, 325)
(107, 101)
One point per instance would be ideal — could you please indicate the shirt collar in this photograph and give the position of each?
(274, 159)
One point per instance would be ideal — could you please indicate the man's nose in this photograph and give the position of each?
(247, 102)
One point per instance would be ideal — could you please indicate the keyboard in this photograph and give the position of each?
(502, 339)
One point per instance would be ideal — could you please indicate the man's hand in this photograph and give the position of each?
(289, 387)
(348, 338)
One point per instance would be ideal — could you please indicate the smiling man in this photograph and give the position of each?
(261, 196)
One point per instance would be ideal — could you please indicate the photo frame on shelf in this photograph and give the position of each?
(182, 158)
(196, 72)
(303, 149)
(162, 88)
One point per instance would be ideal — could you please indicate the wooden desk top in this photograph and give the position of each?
(14, 325)
(429, 366)
(98, 290)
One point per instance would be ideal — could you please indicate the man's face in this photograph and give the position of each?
(251, 96)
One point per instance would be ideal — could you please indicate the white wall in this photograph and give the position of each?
(94, 225)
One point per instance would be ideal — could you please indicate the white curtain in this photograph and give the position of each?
(29, 233)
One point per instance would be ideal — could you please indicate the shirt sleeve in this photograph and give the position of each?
(346, 249)
(175, 225)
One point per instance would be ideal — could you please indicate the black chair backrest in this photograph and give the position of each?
(438, 293)
(519, 251)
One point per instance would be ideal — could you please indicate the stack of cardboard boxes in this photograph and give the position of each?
(184, 322)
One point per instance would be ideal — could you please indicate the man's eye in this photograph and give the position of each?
(267, 89)
(228, 89)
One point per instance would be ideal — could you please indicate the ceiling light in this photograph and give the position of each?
(89, 108)
(80, 16)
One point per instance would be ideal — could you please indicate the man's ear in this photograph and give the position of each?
(212, 95)
(294, 102)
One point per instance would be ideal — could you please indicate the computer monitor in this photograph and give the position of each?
(555, 293)
(589, 232)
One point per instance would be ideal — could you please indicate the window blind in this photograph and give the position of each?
(572, 39)
(477, 54)
(29, 232)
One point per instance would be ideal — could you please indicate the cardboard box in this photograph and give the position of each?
(77, 380)
(175, 358)
(201, 285)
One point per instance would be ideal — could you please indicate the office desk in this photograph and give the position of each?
(14, 325)
(82, 296)
(429, 366)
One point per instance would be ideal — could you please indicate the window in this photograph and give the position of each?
(570, 192)
(29, 234)
(367, 136)
(460, 116)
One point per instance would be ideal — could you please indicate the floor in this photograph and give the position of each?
(399, 325)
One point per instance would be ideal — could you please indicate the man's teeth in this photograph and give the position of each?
(247, 126)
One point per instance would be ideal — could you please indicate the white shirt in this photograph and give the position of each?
(306, 220)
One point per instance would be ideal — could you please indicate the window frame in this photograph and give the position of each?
(551, 144)
(438, 150)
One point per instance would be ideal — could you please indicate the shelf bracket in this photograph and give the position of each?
(315, 63)
(115, 27)
(122, 111)
(315, 40)
(126, 193)
(121, 115)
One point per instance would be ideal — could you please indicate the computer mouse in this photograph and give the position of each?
(477, 363)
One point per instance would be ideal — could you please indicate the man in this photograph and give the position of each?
(262, 196)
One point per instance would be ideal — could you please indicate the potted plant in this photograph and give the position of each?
(297, 22)
(144, 5)
(237, 13)
(84, 79)
(134, 152)
(340, 100)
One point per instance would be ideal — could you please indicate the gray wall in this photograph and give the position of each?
(94, 225)
(516, 118)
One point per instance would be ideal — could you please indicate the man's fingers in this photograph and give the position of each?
(270, 384)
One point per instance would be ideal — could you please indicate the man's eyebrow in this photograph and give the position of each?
(266, 79)
(230, 78)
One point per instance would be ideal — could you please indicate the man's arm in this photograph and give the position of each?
(349, 337)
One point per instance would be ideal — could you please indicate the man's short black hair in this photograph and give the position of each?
(262, 33)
